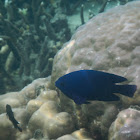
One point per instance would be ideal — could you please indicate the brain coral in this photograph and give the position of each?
(110, 42)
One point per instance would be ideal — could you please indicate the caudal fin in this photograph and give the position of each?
(20, 129)
(127, 90)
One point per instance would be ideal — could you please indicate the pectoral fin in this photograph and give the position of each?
(79, 100)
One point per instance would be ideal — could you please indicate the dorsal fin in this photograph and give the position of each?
(113, 77)
(116, 78)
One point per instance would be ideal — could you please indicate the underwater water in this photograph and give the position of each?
(44, 40)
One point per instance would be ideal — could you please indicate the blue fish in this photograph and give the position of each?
(84, 86)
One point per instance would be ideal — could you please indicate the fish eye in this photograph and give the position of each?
(62, 84)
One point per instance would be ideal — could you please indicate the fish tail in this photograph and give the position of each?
(17, 127)
(20, 129)
(15, 122)
(127, 90)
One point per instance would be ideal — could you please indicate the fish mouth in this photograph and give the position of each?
(56, 83)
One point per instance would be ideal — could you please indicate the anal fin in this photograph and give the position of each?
(79, 100)
(111, 97)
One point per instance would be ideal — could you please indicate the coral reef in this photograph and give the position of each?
(38, 110)
(41, 115)
(33, 31)
(52, 123)
(108, 42)
(126, 126)
(30, 37)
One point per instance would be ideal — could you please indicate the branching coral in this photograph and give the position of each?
(33, 38)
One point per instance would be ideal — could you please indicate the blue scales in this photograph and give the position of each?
(84, 86)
